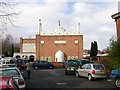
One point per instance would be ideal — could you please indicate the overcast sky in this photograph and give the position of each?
(96, 23)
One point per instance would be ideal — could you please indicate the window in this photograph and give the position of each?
(99, 66)
(68, 58)
(88, 67)
(76, 57)
(72, 57)
(84, 66)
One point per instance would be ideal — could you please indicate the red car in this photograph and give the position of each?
(21, 64)
(8, 83)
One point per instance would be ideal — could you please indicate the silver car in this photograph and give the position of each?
(92, 71)
(16, 74)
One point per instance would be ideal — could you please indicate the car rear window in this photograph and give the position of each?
(99, 67)
(72, 63)
(9, 72)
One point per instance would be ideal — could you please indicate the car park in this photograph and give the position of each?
(16, 74)
(92, 71)
(21, 64)
(42, 64)
(8, 83)
(115, 77)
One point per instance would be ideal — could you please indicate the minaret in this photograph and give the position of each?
(40, 26)
(119, 6)
(78, 27)
(58, 23)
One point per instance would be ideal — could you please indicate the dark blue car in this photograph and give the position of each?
(42, 64)
(115, 76)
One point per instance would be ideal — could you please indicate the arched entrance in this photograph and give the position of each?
(31, 58)
(59, 56)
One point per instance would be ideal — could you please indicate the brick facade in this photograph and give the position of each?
(117, 20)
(49, 48)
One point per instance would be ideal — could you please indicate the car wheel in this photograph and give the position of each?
(66, 73)
(90, 78)
(77, 74)
(117, 83)
(36, 67)
(51, 67)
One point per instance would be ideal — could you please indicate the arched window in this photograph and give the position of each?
(76, 57)
(72, 57)
(31, 58)
(18, 56)
(49, 59)
(68, 58)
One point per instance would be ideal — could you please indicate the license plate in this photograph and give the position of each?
(101, 73)
(72, 68)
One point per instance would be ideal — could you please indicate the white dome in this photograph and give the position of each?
(59, 56)
(59, 30)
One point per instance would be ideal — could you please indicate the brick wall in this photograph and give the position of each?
(118, 28)
(48, 49)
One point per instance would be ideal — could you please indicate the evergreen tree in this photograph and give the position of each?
(12, 51)
(114, 54)
(94, 50)
(91, 51)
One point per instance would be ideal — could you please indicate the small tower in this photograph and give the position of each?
(40, 26)
(78, 27)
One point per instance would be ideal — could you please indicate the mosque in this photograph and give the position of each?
(54, 46)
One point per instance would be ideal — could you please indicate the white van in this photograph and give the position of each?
(8, 62)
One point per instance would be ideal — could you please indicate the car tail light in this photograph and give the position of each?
(93, 71)
(21, 81)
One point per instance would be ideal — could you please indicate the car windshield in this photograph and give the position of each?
(99, 67)
(9, 72)
(72, 63)
(20, 61)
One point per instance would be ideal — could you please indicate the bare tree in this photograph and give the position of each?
(7, 15)
(7, 11)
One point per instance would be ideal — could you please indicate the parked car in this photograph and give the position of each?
(84, 61)
(92, 71)
(42, 64)
(71, 66)
(21, 64)
(16, 74)
(8, 83)
(8, 62)
(115, 77)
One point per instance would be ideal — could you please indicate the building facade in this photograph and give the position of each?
(117, 20)
(53, 47)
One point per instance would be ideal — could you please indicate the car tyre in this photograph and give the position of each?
(77, 74)
(66, 73)
(51, 67)
(90, 78)
(117, 83)
(36, 67)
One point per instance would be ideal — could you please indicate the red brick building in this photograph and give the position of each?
(117, 20)
(54, 47)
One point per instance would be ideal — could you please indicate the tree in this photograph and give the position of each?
(94, 50)
(114, 54)
(7, 11)
(7, 15)
(12, 51)
(91, 51)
